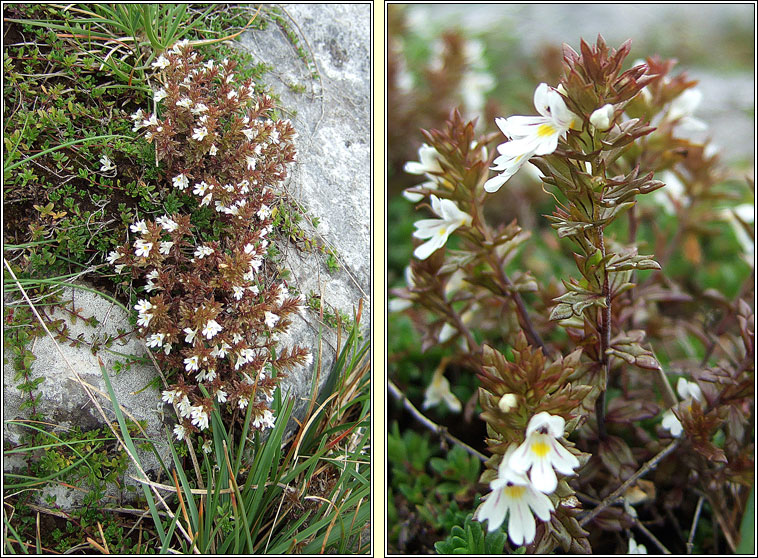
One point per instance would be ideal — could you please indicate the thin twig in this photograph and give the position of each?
(695, 520)
(431, 425)
(649, 535)
(630, 481)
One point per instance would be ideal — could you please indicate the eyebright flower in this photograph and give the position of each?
(161, 63)
(512, 495)
(167, 223)
(113, 256)
(439, 391)
(264, 212)
(438, 230)
(180, 181)
(190, 334)
(199, 417)
(169, 396)
(199, 133)
(192, 363)
(266, 420)
(222, 396)
(142, 248)
(271, 319)
(198, 108)
(238, 292)
(156, 340)
(207, 446)
(688, 391)
(139, 227)
(251, 162)
(213, 150)
(203, 251)
(184, 407)
(428, 162)
(243, 401)
(211, 328)
(180, 432)
(106, 164)
(159, 95)
(184, 102)
(144, 316)
(165, 248)
(531, 135)
(541, 452)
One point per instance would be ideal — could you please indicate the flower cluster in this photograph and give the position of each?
(210, 310)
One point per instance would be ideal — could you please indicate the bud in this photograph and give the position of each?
(601, 118)
(507, 402)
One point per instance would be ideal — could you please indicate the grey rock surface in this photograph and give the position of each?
(332, 176)
(64, 400)
(331, 179)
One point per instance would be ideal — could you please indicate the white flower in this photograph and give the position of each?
(308, 359)
(180, 432)
(271, 319)
(161, 63)
(180, 181)
(438, 230)
(143, 306)
(274, 137)
(203, 251)
(249, 134)
(222, 396)
(688, 391)
(531, 135)
(179, 44)
(207, 446)
(243, 402)
(199, 133)
(166, 247)
(231, 95)
(602, 117)
(113, 256)
(142, 248)
(159, 95)
(192, 363)
(229, 78)
(251, 162)
(106, 164)
(156, 340)
(169, 396)
(213, 150)
(237, 338)
(139, 227)
(167, 223)
(206, 199)
(512, 495)
(137, 117)
(439, 391)
(428, 162)
(541, 452)
(264, 421)
(185, 102)
(635, 548)
(211, 328)
(281, 294)
(413, 197)
(190, 334)
(264, 212)
(184, 407)
(199, 417)
(681, 110)
(200, 188)
(198, 108)
(238, 292)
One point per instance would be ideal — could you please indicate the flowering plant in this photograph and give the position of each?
(548, 354)
(210, 310)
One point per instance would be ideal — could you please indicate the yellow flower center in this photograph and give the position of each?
(545, 130)
(540, 448)
(515, 491)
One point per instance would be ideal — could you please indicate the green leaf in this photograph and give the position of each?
(747, 535)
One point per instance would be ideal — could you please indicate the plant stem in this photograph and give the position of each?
(431, 425)
(605, 343)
